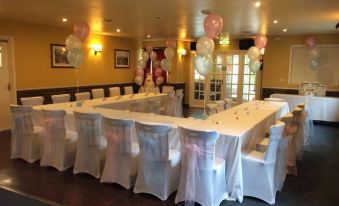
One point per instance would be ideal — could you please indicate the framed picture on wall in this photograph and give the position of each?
(121, 58)
(59, 56)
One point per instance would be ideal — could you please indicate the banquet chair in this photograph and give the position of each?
(202, 176)
(220, 105)
(60, 144)
(81, 96)
(91, 149)
(138, 106)
(122, 154)
(32, 101)
(228, 103)
(26, 139)
(98, 93)
(271, 99)
(159, 166)
(154, 106)
(171, 104)
(179, 95)
(211, 108)
(167, 89)
(61, 98)
(128, 90)
(308, 126)
(114, 91)
(259, 168)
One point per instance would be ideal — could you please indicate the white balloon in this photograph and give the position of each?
(75, 57)
(73, 42)
(313, 64)
(159, 80)
(254, 65)
(205, 45)
(169, 53)
(141, 64)
(138, 80)
(153, 56)
(314, 53)
(203, 64)
(156, 64)
(253, 53)
(145, 56)
(166, 65)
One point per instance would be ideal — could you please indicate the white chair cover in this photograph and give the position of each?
(171, 104)
(179, 95)
(128, 90)
(26, 139)
(91, 151)
(61, 98)
(122, 154)
(138, 106)
(259, 169)
(32, 101)
(114, 91)
(98, 93)
(167, 89)
(308, 124)
(60, 144)
(159, 166)
(202, 176)
(220, 105)
(211, 108)
(228, 103)
(81, 96)
(274, 100)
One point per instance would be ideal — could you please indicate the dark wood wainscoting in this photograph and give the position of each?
(266, 92)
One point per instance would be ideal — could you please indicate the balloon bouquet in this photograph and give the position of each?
(166, 63)
(310, 43)
(75, 55)
(254, 52)
(203, 62)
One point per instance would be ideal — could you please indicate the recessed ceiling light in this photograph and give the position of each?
(257, 4)
(64, 20)
(148, 36)
(118, 30)
(275, 21)
(284, 30)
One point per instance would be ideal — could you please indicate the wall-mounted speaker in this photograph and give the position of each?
(245, 44)
(193, 46)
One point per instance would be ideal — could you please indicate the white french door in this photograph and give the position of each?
(5, 95)
(230, 78)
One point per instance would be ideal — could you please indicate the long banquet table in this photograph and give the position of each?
(238, 128)
(321, 108)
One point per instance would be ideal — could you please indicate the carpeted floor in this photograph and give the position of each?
(315, 185)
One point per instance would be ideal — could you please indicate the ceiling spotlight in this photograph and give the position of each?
(257, 4)
(284, 30)
(64, 20)
(148, 36)
(118, 30)
(275, 21)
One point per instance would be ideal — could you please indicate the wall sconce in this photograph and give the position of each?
(97, 48)
(182, 52)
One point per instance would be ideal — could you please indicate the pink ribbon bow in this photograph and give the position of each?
(113, 137)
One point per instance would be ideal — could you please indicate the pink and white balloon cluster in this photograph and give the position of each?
(310, 43)
(75, 55)
(205, 46)
(166, 62)
(145, 55)
(254, 52)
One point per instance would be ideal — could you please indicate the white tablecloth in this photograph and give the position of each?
(321, 108)
(238, 128)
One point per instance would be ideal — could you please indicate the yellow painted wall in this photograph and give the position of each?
(277, 58)
(33, 61)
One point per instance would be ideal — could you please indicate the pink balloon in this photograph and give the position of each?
(158, 72)
(159, 80)
(213, 25)
(260, 41)
(81, 30)
(171, 43)
(139, 72)
(310, 42)
(149, 49)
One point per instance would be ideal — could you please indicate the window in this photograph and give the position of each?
(199, 86)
